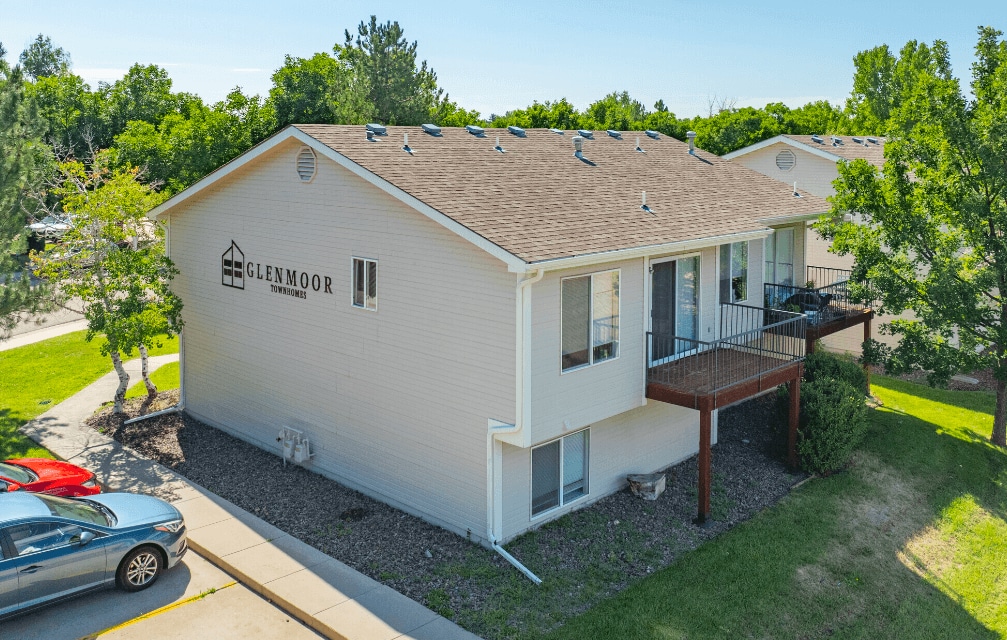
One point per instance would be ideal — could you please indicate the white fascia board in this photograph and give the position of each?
(649, 250)
(514, 264)
(831, 157)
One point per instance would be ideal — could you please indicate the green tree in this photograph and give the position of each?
(302, 90)
(560, 114)
(74, 114)
(881, 82)
(43, 59)
(617, 111)
(113, 261)
(733, 129)
(382, 80)
(24, 160)
(144, 94)
(934, 233)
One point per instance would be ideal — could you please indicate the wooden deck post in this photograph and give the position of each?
(867, 336)
(794, 386)
(705, 428)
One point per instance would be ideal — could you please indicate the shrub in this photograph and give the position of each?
(833, 423)
(822, 365)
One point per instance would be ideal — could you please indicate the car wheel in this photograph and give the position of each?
(139, 569)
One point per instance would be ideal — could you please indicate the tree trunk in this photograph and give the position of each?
(999, 436)
(145, 372)
(120, 393)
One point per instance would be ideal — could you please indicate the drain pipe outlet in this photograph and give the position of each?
(174, 409)
(514, 561)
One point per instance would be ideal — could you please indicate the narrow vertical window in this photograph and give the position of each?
(559, 472)
(734, 272)
(590, 321)
(365, 283)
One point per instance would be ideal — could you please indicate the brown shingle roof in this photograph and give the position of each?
(848, 149)
(539, 202)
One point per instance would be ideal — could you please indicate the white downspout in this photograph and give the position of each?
(494, 448)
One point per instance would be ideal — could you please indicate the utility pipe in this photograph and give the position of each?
(496, 429)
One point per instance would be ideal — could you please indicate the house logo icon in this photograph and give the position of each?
(232, 266)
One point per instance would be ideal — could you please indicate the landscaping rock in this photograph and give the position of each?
(648, 486)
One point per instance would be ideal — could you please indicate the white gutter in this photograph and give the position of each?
(498, 432)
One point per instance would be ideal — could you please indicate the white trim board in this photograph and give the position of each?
(821, 153)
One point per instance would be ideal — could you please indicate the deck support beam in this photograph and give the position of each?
(867, 336)
(705, 460)
(794, 387)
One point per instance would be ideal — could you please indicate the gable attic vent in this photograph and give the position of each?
(585, 133)
(785, 160)
(432, 129)
(518, 131)
(474, 130)
(377, 128)
(817, 139)
(652, 134)
(306, 164)
(613, 133)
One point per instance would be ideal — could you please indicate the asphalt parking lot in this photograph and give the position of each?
(193, 600)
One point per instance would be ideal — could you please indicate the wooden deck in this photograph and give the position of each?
(839, 323)
(718, 377)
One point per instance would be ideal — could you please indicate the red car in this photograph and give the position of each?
(42, 475)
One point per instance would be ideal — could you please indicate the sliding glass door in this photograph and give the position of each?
(674, 308)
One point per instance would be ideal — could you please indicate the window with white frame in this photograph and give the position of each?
(590, 321)
(734, 272)
(559, 472)
(365, 283)
(780, 257)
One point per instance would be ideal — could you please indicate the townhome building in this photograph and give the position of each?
(487, 328)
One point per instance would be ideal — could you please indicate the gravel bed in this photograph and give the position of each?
(583, 557)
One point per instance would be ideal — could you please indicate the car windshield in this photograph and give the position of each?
(82, 510)
(18, 474)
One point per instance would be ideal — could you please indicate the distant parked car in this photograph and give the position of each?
(48, 228)
(53, 548)
(47, 476)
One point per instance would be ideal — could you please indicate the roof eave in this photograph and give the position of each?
(785, 140)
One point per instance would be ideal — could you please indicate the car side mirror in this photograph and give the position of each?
(84, 538)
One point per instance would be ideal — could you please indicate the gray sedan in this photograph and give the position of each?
(52, 548)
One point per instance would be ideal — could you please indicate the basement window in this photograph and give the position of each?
(590, 319)
(559, 472)
(365, 284)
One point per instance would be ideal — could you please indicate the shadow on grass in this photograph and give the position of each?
(12, 443)
(839, 557)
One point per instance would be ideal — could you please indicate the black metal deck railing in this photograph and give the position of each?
(824, 298)
(754, 341)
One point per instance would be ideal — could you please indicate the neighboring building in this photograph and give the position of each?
(810, 163)
(483, 328)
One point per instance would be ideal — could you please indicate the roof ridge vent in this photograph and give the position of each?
(652, 134)
(432, 129)
(474, 130)
(518, 131)
(857, 140)
(872, 140)
(817, 139)
(559, 131)
(498, 147)
(379, 129)
(586, 133)
(613, 133)
(836, 141)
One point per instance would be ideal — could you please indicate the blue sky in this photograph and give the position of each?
(495, 56)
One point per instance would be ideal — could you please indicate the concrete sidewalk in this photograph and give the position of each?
(321, 592)
(44, 333)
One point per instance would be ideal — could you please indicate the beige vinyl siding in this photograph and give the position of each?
(395, 401)
(643, 440)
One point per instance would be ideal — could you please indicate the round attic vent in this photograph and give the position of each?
(306, 164)
(785, 160)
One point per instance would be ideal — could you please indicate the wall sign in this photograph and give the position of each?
(235, 271)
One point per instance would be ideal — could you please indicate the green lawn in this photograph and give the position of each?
(164, 378)
(36, 376)
(910, 542)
